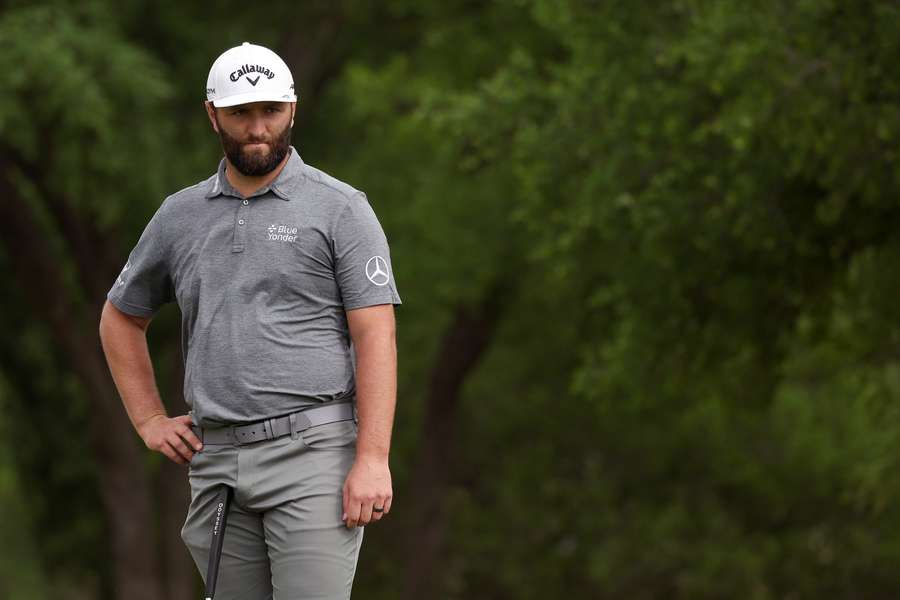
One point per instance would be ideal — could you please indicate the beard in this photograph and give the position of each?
(254, 164)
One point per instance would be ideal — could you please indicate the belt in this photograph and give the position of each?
(276, 427)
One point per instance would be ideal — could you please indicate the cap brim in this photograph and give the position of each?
(253, 97)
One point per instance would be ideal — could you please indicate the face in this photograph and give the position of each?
(255, 136)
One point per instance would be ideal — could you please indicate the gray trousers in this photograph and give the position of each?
(284, 538)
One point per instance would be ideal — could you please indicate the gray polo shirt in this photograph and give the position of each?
(263, 284)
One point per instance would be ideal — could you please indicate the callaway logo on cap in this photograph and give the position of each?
(249, 73)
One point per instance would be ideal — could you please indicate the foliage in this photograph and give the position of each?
(690, 208)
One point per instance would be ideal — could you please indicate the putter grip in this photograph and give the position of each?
(223, 501)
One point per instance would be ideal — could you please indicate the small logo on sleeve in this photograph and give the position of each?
(121, 279)
(281, 233)
(377, 271)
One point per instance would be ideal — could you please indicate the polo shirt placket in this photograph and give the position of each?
(239, 238)
(241, 214)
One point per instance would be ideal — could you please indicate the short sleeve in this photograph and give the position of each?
(362, 259)
(145, 283)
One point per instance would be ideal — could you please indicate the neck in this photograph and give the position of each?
(246, 185)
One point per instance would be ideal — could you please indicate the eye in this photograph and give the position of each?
(238, 111)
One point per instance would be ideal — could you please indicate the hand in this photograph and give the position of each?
(173, 437)
(368, 486)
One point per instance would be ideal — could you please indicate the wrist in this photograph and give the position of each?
(146, 420)
(372, 456)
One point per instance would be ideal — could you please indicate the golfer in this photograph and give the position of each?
(283, 277)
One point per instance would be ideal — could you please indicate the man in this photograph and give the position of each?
(284, 281)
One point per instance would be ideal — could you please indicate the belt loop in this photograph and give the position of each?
(294, 433)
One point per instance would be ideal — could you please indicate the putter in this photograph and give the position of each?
(223, 501)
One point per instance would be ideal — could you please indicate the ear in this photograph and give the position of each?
(211, 113)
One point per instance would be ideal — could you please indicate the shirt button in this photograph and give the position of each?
(245, 202)
(241, 222)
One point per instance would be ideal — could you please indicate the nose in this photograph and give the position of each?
(256, 128)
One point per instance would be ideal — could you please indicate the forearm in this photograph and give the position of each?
(376, 393)
(125, 346)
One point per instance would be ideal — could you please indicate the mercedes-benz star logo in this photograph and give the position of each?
(377, 271)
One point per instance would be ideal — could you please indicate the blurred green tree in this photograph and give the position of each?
(648, 344)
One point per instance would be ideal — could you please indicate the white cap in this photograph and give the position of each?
(249, 73)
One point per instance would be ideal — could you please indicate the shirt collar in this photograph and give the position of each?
(284, 186)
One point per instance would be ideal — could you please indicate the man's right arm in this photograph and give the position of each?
(124, 341)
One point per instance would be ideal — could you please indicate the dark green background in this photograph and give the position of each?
(649, 254)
